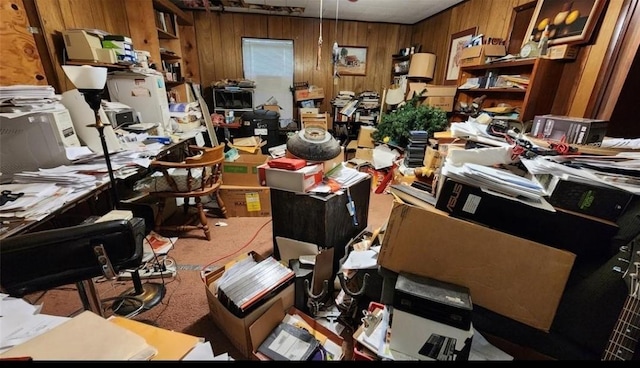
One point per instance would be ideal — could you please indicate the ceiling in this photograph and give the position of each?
(387, 11)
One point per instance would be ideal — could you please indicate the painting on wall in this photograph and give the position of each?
(458, 41)
(569, 21)
(352, 60)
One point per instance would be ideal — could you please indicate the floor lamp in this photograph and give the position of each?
(91, 81)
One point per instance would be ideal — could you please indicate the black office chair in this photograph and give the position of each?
(76, 254)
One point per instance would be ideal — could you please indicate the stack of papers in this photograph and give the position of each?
(86, 336)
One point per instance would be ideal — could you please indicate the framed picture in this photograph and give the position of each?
(458, 42)
(569, 21)
(352, 60)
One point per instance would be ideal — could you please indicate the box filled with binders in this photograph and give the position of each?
(234, 313)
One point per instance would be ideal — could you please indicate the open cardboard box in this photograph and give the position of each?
(262, 327)
(237, 329)
(244, 170)
(477, 55)
(514, 277)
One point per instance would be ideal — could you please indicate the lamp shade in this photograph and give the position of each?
(422, 65)
(86, 76)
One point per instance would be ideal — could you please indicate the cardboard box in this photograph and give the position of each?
(312, 93)
(263, 326)
(275, 108)
(477, 55)
(511, 276)
(243, 201)
(244, 170)
(586, 236)
(81, 45)
(573, 130)
(445, 103)
(237, 329)
(365, 138)
(294, 180)
(562, 52)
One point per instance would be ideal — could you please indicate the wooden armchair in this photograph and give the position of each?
(196, 177)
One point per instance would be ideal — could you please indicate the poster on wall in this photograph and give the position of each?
(458, 41)
(352, 60)
(568, 21)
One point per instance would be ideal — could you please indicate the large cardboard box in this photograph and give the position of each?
(435, 95)
(314, 93)
(237, 329)
(244, 170)
(241, 201)
(81, 45)
(511, 276)
(477, 55)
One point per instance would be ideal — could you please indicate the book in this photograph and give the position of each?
(289, 342)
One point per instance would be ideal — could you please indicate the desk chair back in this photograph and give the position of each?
(52, 258)
(196, 177)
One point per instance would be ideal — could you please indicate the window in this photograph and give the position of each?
(269, 63)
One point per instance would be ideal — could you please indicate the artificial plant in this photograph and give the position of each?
(396, 126)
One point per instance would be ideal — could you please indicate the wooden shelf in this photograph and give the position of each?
(401, 57)
(166, 35)
(543, 74)
(494, 90)
(169, 7)
(169, 57)
(96, 63)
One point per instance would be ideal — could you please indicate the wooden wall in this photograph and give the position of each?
(219, 39)
(212, 47)
(493, 19)
(21, 62)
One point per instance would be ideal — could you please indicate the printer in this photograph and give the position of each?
(120, 115)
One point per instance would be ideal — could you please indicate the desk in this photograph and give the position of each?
(93, 197)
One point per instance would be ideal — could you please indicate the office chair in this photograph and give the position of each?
(75, 254)
(196, 177)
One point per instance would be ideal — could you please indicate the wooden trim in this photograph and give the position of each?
(621, 51)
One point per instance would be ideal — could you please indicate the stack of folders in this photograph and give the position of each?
(248, 283)
(86, 336)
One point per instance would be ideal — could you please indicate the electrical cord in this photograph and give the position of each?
(203, 271)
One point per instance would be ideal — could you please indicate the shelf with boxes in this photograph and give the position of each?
(527, 85)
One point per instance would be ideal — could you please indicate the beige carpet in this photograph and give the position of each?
(184, 307)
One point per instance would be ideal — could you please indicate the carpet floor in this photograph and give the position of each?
(184, 307)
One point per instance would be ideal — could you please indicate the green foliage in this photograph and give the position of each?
(411, 116)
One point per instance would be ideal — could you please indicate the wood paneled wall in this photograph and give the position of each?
(493, 19)
(219, 39)
(21, 62)
(132, 18)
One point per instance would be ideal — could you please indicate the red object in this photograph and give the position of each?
(287, 163)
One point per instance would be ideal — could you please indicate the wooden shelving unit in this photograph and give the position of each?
(537, 99)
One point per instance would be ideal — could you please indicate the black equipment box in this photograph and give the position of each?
(432, 299)
(263, 124)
